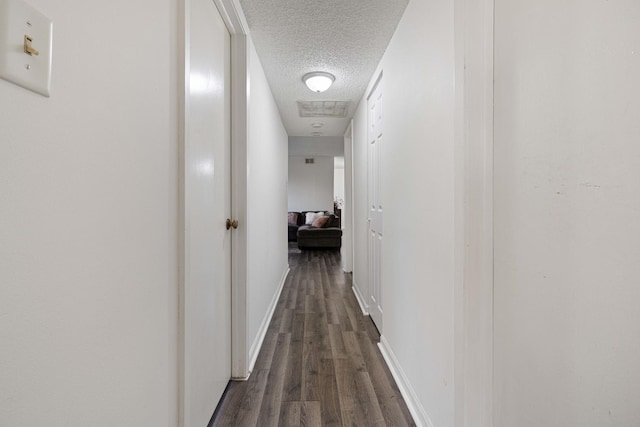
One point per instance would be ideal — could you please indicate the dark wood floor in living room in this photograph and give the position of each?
(319, 364)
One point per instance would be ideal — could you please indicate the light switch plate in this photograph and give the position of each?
(17, 20)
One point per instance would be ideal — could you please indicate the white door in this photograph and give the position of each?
(207, 281)
(374, 104)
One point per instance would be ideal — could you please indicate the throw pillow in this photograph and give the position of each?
(293, 218)
(321, 222)
(310, 217)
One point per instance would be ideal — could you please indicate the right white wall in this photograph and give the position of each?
(418, 198)
(567, 209)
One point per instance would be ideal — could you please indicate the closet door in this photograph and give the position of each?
(206, 311)
(375, 136)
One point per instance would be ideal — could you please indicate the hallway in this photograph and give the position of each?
(319, 364)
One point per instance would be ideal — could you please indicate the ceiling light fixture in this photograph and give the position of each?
(317, 125)
(316, 133)
(318, 81)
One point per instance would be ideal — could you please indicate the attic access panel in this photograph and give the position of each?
(336, 109)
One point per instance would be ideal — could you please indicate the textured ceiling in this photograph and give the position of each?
(344, 37)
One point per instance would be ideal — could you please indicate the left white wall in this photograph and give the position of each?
(88, 223)
(267, 152)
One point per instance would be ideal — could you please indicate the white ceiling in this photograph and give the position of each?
(344, 37)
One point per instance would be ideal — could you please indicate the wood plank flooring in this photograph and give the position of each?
(319, 364)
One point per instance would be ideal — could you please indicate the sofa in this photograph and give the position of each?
(323, 232)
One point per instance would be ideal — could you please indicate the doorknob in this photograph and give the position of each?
(233, 223)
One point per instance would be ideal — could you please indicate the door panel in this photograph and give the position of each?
(207, 291)
(375, 137)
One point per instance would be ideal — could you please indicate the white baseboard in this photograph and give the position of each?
(262, 331)
(363, 306)
(418, 413)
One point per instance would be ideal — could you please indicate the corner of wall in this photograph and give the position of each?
(361, 299)
(264, 326)
(419, 414)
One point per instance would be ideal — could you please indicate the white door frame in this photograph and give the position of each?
(473, 291)
(347, 209)
(235, 20)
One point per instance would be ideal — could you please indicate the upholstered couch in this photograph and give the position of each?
(323, 232)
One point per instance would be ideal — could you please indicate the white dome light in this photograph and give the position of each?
(318, 81)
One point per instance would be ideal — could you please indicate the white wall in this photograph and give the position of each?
(267, 203)
(316, 146)
(418, 199)
(88, 224)
(310, 185)
(567, 203)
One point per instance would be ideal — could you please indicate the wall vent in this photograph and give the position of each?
(309, 161)
(323, 108)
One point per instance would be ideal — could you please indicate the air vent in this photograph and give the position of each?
(338, 109)
(309, 161)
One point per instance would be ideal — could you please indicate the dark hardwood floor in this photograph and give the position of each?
(319, 364)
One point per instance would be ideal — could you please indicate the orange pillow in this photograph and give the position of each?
(321, 222)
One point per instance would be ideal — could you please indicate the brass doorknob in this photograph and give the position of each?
(233, 223)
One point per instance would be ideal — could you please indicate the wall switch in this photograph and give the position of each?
(26, 40)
